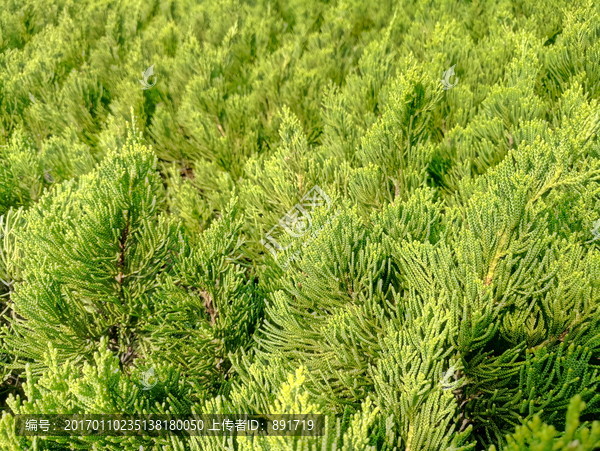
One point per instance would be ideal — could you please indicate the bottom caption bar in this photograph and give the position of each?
(159, 425)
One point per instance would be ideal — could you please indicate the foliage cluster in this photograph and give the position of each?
(447, 298)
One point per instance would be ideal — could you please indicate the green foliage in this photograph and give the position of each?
(444, 297)
(538, 435)
(95, 387)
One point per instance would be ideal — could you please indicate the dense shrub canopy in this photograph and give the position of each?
(384, 212)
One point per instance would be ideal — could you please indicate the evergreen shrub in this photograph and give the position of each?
(387, 213)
